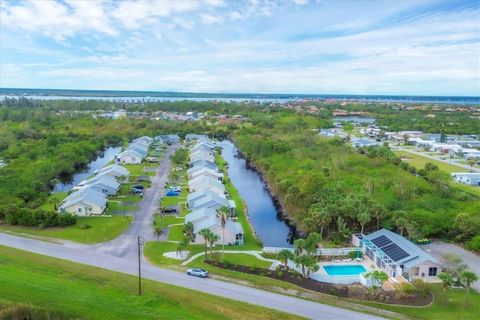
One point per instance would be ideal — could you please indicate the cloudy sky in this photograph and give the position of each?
(418, 47)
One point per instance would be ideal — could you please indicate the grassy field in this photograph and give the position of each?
(101, 229)
(78, 291)
(167, 220)
(136, 170)
(56, 198)
(419, 162)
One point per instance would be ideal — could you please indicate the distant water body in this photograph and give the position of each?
(149, 96)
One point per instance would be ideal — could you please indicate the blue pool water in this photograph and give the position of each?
(345, 270)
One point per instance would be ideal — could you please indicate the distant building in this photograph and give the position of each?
(362, 142)
(470, 178)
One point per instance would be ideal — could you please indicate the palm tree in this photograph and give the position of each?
(212, 238)
(467, 278)
(206, 234)
(378, 277)
(285, 255)
(401, 224)
(308, 264)
(223, 214)
(447, 282)
(363, 218)
(188, 230)
(471, 162)
(158, 231)
(322, 218)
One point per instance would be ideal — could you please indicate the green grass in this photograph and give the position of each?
(79, 291)
(240, 258)
(419, 162)
(136, 170)
(154, 252)
(53, 198)
(102, 229)
(175, 233)
(116, 205)
(167, 220)
(453, 310)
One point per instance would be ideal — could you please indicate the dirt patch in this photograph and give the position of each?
(353, 291)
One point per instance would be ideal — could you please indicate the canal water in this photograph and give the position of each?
(105, 157)
(263, 215)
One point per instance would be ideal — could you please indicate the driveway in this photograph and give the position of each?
(142, 225)
(439, 248)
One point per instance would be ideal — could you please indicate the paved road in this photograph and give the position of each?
(438, 249)
(121, 255)
(128, 264)
(453, 163)
(125, 245)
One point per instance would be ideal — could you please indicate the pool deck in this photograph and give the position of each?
(321, 275)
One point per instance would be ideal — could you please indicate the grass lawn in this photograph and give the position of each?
(78, 291)
(175, 233)
(53, 198)
(116, 205)
(154, 251)
(419, 162)
(102, 229)
(453, 310)
(136, 170)
(167, 220)
(238, 258)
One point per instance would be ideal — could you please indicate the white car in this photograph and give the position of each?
(197, 273)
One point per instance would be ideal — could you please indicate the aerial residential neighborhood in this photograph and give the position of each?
(248, 159)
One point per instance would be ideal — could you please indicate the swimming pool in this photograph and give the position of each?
(344, 270)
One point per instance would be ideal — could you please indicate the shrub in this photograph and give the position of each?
(474, 243)
(280, 274)
(84, 226)
(355, 254)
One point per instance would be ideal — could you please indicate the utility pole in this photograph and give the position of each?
(141, 241)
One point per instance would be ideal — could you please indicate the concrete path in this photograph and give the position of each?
(439, 248)
(128, 264)
(257, 254)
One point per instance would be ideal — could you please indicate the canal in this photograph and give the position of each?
(105, 157)
(264, 217)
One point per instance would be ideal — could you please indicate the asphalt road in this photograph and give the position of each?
(121, 255)
(439, 248)
(128, 264)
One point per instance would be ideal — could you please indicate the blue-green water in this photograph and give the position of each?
(345, 270)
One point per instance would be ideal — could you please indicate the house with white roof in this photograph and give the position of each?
(213, 200)
(194, 196)
(103, 183)
(362, 142)
(114, 170)
(205, 172)
(203, 163)
(397, 256)
(445, 148)
(207, 165)
(193, 136)
(201, 147)
(205, 157)
(469, 153)
(470, 178)
(129, 156)
(206, 183)
(199, 215)
(145, 139)
(84, 202)
(233, 231)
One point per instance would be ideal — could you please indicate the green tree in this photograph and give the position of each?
(308, 264)
(206, 234)
(401, 223)
(285, 255)
(467, 278)
(363, 219)
(378, 278)
(447, 282)
(471, 162)
(223, 213)
(212, 239)
(348, 128)
(188, 230)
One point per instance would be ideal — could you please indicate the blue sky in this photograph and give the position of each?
(417, 47)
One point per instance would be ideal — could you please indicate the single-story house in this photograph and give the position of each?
(145, 139)
(470, 178)
(197, 153)
(129, 156)
(233, 230)
(396, 255)
(193, 136)
(114, 170)
(203, 163)
(194, 196)
(167, 138)
(469, 153)
(196, 157)
(206, 172)
(334, 132)
(213, 200)
(201, 147)
(362, 142)
(445, 147)
(200, 215)
(191, 170)
(202, 183)
(103, 183)
(84, 202)
(207, 143)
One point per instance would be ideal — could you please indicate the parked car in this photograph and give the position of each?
(138, 186)
(175, 188)
(169, 210)
(137, 191)
(197, 273)
(171, 193)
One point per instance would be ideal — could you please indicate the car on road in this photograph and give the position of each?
(197, 273)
